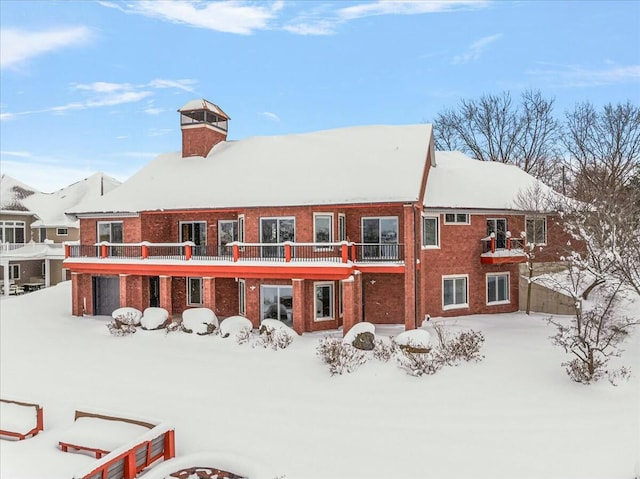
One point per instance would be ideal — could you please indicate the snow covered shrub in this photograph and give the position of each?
(465, 346)
(128, 315)
(234, 325)
(274, 334)
(361, 336)
(154, 318)
(124, 321)
(383, 351)
(340, 357)
(243, 336)
(119, 328)
(419, 363)
(199, 320)
(173, 326)
(592, 338)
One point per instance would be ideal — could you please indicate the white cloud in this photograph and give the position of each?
(7, 116)
(412, 7)
(239, 17)
(18, 154)
(185, 85)
(270, 116)
(18, 46)
(154, 110)
(159, 131)
(476, 49)
(576, 76)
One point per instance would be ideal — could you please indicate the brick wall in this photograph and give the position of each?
(198, 141)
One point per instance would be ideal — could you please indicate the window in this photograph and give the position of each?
(324, 301)
(194, 291)
(380, 236)
(498, 227)
(536, 230)
(276, 230)
(276, 302)
(110, 232)
(340, 303)
(454, 292)
(227, 232)
(43, 269)
(241, 228)
(322, 228)
(62, 231)
(456, 218)
(12, 231)
(242, 297)
(342, 227)
(498, 288)
(430, 236)
(196, 232)
(14, 271)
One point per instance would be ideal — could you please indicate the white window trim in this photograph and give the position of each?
(455, 306)
(430, 246)
(342, 227)
(277, 218)
(486, 288)
(98, 223)
(468, 222)
(219, 229)
(66, 232)
(317, 284)
(189, 302)
(331, 235)
(380, 218)
(546, 231)
(242, 297)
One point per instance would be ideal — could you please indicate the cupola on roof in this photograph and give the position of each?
(202, 104)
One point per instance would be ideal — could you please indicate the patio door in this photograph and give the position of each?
(276, 230)
(195, 232)
(154, 291)
(106, 295)
(499, 227)
(276, 302)
(380, 236)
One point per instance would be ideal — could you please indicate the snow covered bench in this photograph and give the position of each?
(20, 419)
(123, 446)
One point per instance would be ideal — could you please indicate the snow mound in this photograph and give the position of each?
(277, 325)
(416, 338)
(132, 314)
(154, 318)
(234, 325)
(198, 319)
(358, 328)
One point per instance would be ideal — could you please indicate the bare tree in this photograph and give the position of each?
(494, 128)
(603, 148)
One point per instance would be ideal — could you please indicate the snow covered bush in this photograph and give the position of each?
(340, 356)
(361, 336)
(593, 337)
(124, 321)
(383, 351)
(237, 326)
(274, 334)
(465, 346)
(418, 363)
(120, 328)
(199, 320)
(128, 315)
(154, 318)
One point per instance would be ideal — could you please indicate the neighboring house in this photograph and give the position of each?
(319, 230)
(33, 228)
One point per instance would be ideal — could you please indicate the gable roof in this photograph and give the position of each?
(364, 164)
(458, 181)
(50, 208)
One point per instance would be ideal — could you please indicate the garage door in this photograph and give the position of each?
(106, 295)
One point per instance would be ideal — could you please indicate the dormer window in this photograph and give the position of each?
(203, 116)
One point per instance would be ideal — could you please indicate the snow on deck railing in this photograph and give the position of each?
(492, 245)
(340, 252)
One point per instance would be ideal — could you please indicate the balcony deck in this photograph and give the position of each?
(318, 260)
(510, 251)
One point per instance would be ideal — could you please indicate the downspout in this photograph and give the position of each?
(416, 289)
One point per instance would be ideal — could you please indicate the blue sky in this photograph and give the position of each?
(89, 86)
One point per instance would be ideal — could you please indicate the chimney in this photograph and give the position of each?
(203, 126)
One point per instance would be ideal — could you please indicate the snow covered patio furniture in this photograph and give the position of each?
(20, 419)
(123, 446)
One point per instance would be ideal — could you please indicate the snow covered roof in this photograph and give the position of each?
(348, 165)
(459, 181)
(16, 197)
(203, 104)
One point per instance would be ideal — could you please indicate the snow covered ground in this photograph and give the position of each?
(514, 415)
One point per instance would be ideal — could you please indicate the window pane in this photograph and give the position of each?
(430, 231)
(195, 291)
(226, 232)
(286, 230)
(104, 232)
(342, 228)
(503, 288)
(324, 301)
(491, 289)
(461, 218)
(116, 233)
(269, 230)
(322, 228)
(389, 230)
(448, 292)
(370, 230)
(450, 217)
(461, 291)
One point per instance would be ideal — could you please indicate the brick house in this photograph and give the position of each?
(33, 228)
(319, 230)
